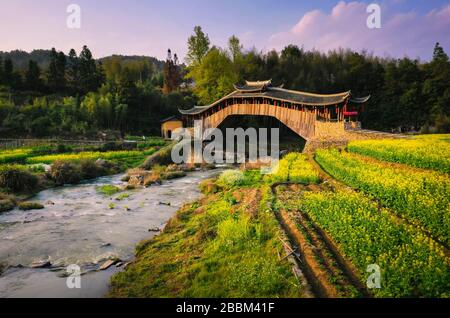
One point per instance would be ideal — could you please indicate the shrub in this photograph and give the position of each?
(17, 179)
(118, 146)
(231, 178)
(25, 206)
(65, 172)
(37, 168)
(151, 143)
(61, 148)
(4, 196)
(42, 150)
(174, 175)
(162, 157)
(208, 186)
(151, 178)
(90, 169)
(6, 205)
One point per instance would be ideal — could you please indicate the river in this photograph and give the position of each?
(79, 227)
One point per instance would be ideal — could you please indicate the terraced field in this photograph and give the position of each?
(372, 212)
(420, 196)
(425, 152)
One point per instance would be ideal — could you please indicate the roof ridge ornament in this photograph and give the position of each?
(253, 86)
(259, 83)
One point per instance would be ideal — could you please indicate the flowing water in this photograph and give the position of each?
(80, 226)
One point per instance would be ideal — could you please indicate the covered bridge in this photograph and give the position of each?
(309, 115)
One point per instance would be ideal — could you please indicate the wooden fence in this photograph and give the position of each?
(15, 143)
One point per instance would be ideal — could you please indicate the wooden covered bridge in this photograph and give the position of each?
(311, 116)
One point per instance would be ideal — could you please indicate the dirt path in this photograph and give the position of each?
(327, 272)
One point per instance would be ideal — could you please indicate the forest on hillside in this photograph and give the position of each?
(51, 93)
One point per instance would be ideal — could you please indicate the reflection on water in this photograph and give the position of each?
(77, 226)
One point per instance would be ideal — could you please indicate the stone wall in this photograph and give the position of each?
(352, 125)
(342, 139)
(329, 130)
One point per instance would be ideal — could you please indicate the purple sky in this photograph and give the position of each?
(409, 27)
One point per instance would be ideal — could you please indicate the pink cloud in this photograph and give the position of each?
(406, 33)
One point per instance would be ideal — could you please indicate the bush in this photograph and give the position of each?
(65, 172)
(230, 178)
(162, 157)
(25, 206)
(17, 179)
(4, 196)
(151, 143)
(209, 186)
(6, 205)
(37, 168)
(174, 175)
(61, 148)
(118, 146)
(152, 178)
(90, 169)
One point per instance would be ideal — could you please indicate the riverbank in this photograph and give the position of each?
(226, 244)
(81, 227)
(27, 171)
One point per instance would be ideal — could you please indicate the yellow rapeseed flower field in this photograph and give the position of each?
(420, 196)
(412, 265)
(429, 153)
(294, 167)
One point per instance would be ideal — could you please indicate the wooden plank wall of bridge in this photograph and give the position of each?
(301, 122)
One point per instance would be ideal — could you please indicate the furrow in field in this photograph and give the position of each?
(326, 271)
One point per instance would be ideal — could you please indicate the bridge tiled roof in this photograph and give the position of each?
(264, 89)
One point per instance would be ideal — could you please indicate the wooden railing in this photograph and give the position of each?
(15, 143)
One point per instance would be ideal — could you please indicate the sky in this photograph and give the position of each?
(150, 27)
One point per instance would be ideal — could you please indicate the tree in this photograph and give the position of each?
(171, 73)
(56, 74)
(91, 78)
(8, 70)
(2, 73)
(438, 53)
(436, 89)
(214, 77)
(73, 71)
(198, 46)
(292, 59)
(235, 47)
(33, 76)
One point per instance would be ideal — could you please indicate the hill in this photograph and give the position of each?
(42, 57)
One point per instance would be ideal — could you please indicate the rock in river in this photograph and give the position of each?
(41, 264)
(108, 264)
